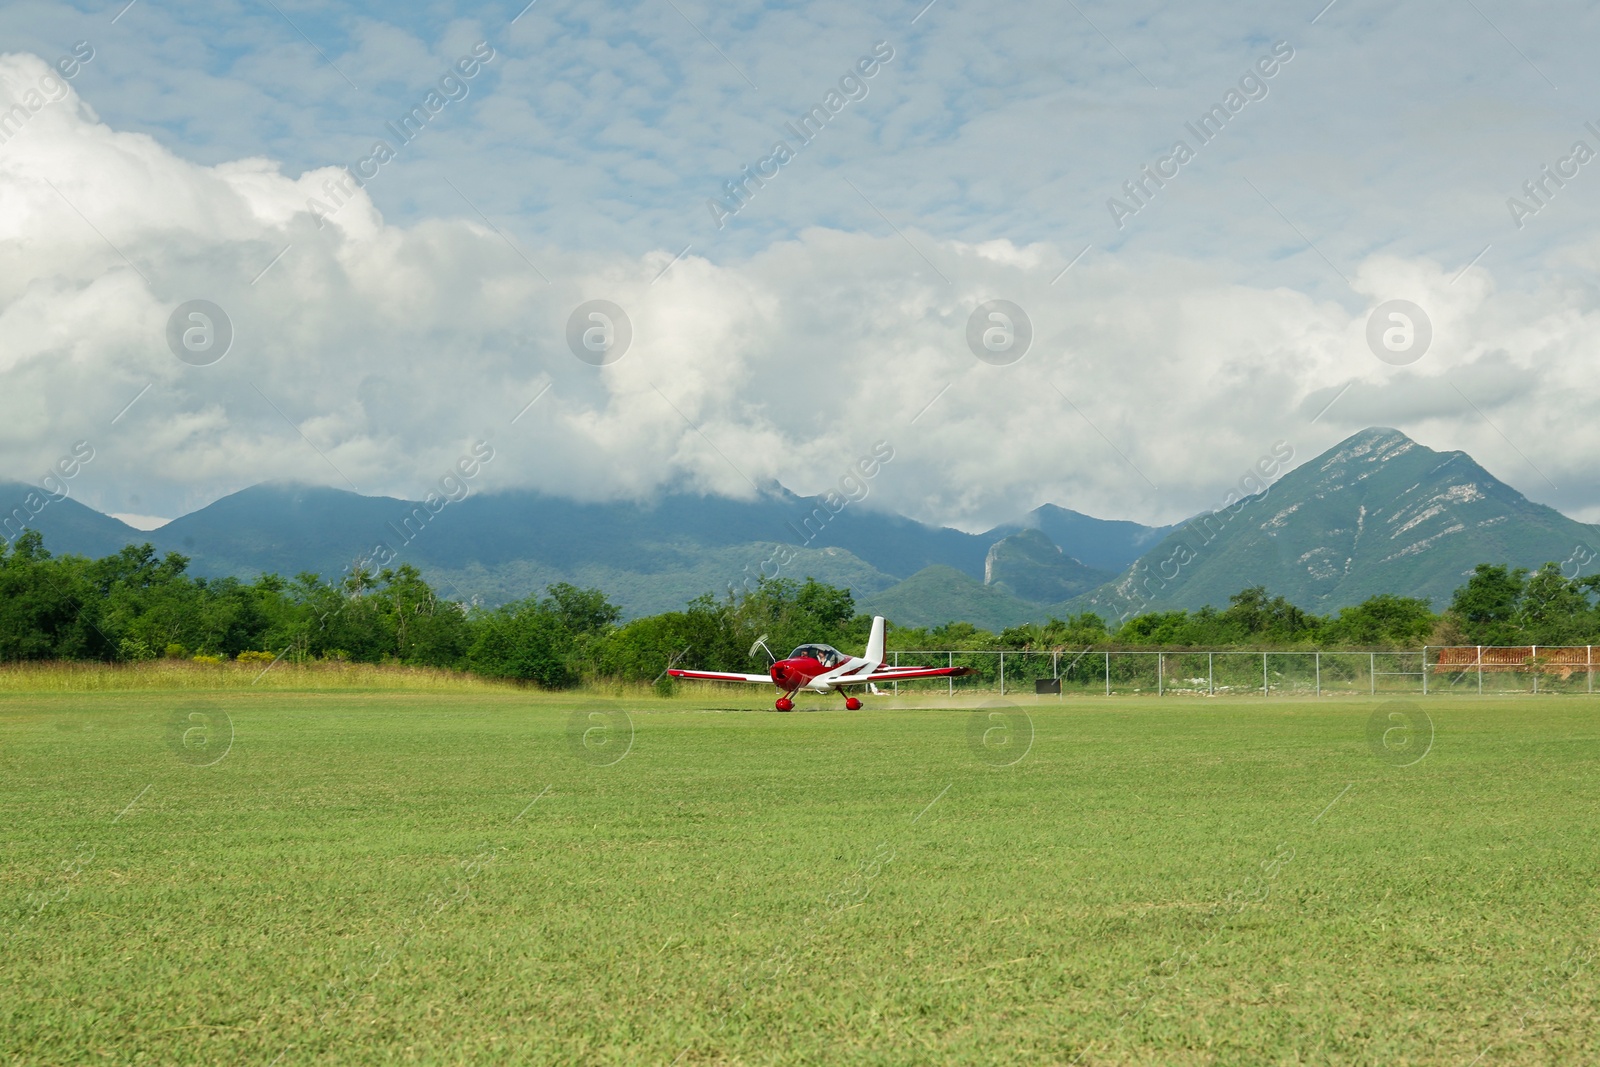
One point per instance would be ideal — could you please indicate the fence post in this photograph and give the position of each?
(1055, 672)
(1211, 674)
(1319, 672)
(1372, 671)
(897, 684)
(1264, 690)
(1424, 670)
(1588, 659)
(952, 678)
(1002, 673)
(1108, 674)
(1480, 671)
(1160, 662)
(1534, 663)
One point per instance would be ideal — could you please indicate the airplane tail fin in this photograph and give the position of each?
(874, 653)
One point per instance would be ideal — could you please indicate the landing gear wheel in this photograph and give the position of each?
(852, 704)
(784, 704)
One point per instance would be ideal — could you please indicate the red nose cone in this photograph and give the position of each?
(783, 675)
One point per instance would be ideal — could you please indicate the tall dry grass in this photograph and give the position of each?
(68, 676)
(71, 676)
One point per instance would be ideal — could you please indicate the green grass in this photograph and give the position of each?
(437, 876)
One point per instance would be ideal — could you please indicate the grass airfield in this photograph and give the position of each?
(486, 875)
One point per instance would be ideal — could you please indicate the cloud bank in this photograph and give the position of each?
(370, 355)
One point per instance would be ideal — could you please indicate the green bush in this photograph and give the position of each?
(133, 650)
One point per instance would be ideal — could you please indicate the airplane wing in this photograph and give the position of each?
(721, 676)
(901, 674)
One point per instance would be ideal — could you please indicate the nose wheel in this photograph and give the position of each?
(784, 704)
(852, 704)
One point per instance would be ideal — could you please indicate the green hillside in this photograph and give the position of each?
(937, 595)
(67, 525)
(701, 570)
(1030, 566)
(1377, 513)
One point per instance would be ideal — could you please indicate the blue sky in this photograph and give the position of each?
(1215, 320)
(1397, 128)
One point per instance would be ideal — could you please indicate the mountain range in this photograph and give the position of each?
(1375, 513)
(648, 557)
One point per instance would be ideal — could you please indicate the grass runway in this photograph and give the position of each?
(450, 877)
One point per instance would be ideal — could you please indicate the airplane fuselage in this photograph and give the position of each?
(802, 672)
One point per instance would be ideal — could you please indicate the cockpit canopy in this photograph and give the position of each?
(826, 655)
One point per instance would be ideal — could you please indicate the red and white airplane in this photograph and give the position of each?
(824, 669)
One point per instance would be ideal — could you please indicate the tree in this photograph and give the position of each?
(827, 607)
(1487, 604)
(790, 614)
(1076, 632)
(1382, 620)
(1156, 628)
(521, 641)
(1553, 610)
(48, 610)
(1267, 619)
(428, 632)
(581, 611)
(551, 641)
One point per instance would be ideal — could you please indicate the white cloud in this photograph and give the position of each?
(142, 522)
(372, 354)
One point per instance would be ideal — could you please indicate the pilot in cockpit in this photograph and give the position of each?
(826, 655)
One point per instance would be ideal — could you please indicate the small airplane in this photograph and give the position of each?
(824, 669)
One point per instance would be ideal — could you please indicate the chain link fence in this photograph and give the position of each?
(1487, 670)
(1190, 673)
